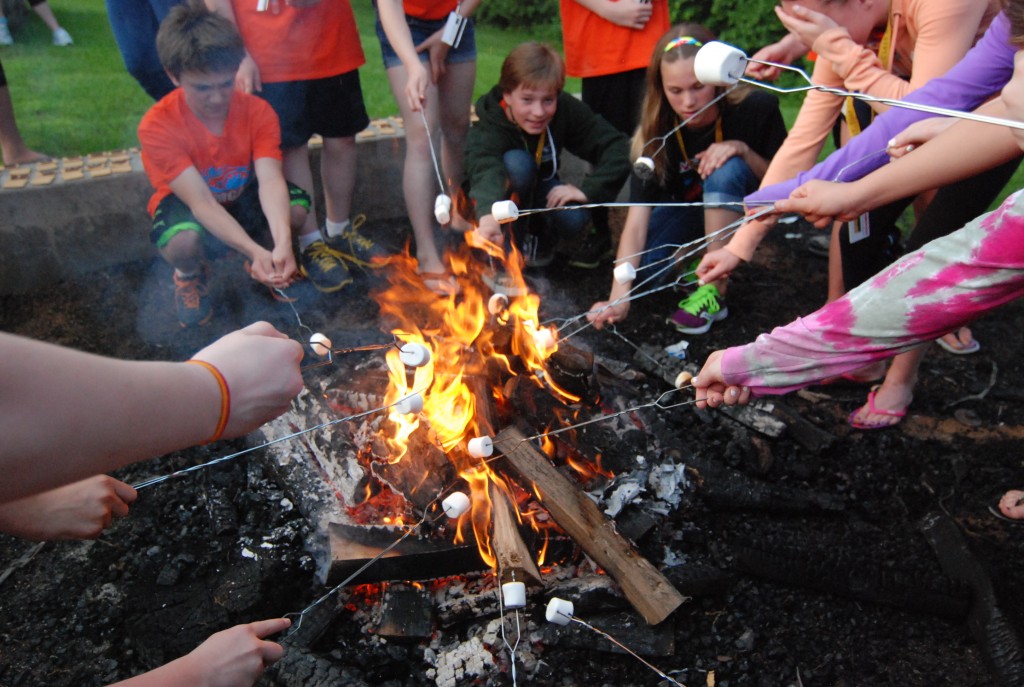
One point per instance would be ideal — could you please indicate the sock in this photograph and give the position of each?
(306, 240)
(336, 228)
(184, 276)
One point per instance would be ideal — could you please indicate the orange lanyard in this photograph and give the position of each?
(682, 146)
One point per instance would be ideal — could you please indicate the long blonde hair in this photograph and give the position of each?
(656, 114)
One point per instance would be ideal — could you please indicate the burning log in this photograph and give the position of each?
(509, 549)
(643, 585)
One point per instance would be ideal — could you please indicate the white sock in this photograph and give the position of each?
(336, 228)
(185, 275)
(305, 240)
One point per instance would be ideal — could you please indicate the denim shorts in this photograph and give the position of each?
(421, 30)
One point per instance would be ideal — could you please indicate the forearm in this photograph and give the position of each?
(805, 139)
(66, 415)
(216, 220)
(276, 205)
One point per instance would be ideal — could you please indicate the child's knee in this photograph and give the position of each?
(732, 181)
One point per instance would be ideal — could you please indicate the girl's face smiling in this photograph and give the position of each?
(531, 108)
(685, 94)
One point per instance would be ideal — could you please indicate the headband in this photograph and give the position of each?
(682, 40)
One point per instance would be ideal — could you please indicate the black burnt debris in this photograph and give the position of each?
(810, 554)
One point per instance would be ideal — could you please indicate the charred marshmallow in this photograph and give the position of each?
(455, 504)
(643, 168)
(443, 209)
(410, 405)
(497, 303)
(481, 447)
(321, 344)
(505, 211)
(719, 64)
(414, 355)
(559, 611)
(624, 273)
(513, 595)
(683, 378)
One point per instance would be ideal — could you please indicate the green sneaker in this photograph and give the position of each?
(353, 247)
(688, 275)
(698, 311)
(324, 268)
(192, 300)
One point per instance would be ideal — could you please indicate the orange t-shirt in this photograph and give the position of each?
(596, 47)
(173, 139)
(425, 9)
(297, 44)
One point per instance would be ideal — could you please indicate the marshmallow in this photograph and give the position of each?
(683, 378)
(505, 211)
(414, 355)
(643, 168)
(624, 272)
(543, 339)
(559, 611)
(513, 595)
(320, 343)
(410, 405)
(443, 208)
(497, 303)
(719, 64)
(455, 504)
(481, 447)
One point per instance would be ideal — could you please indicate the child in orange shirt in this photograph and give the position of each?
(213, 155)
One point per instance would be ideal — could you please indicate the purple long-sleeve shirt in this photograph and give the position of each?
(981, 74)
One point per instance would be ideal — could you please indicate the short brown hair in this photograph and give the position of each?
(194, 39)
(532, 65)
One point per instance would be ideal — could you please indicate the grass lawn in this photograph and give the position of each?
(80, 99)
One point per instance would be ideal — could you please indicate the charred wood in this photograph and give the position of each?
(727, 489)
(406, 613)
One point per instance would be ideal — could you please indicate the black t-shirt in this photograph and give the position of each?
(755, 120)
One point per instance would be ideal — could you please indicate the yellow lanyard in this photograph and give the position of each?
(537, 156)
(682, 146)
(885, 56)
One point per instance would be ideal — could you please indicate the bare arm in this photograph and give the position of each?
(66, 415)
(631, 15)
(247, 79)
(633, 241)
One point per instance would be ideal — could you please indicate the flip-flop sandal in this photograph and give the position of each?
(972, 347)
(899, 414)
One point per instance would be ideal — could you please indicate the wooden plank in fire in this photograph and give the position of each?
(650, 593)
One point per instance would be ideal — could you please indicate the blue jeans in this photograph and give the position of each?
(532, 192)
(673, 226)
(135, 23)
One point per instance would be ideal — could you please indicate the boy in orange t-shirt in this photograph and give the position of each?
(213, 156)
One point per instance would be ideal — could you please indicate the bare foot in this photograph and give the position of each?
(961, 342)
(1012, 504)
(886, 406)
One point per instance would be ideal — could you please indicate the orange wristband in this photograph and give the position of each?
(225, 399)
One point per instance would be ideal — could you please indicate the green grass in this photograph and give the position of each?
(80, 99)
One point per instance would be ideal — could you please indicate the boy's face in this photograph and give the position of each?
(531, 108)
(208, 94)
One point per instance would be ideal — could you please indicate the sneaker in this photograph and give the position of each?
(324, 268)
(5, 33)
(62, 38)
(356, 248)
(688, 277)
(595, 250)
(819, 245)
(191, 299)
(698, 311)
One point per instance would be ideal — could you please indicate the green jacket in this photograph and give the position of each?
(574, 127)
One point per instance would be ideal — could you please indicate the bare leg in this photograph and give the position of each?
(296, 169)
(418, 183)
(456, 94)
(338, 175)
(14, 149)
(184, 252)
(46, 14)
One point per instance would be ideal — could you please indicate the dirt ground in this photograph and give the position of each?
(159, 582)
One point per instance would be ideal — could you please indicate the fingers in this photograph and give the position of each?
(263, 328)
(265, 628)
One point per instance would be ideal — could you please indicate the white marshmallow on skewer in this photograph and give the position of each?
(513, 595)
(644, 168)
(719, 64)
(411, 404)
(443, 208)
(497, 303)
(321, 344)
(414, 354)
(505, 211)
(543, 339)
(455, 504)
(624, 272)
(559, 611)
(481, 447)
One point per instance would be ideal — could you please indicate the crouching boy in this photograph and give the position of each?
(213, 155)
